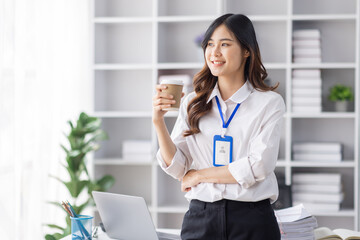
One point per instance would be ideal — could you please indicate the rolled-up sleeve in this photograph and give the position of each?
(182, 159)
(263, 148)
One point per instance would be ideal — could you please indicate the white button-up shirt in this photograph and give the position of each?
(255, 128)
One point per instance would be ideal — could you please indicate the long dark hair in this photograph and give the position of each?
(204, 82)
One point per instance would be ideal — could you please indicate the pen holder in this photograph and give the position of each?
(81, 227)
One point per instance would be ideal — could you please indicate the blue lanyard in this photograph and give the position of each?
(225, 125)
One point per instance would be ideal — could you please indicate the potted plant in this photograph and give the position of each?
(341, 95)
(83, 139)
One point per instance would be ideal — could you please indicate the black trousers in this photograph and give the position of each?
(230, 220)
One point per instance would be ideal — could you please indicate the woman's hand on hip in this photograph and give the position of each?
(191, 179)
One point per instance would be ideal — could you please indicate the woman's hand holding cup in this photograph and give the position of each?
(167, 98)
(161, 102)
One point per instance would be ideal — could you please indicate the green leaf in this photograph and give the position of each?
(106, 182)
(58, 236)
(50, 237)
(55, 226)
(75, 187)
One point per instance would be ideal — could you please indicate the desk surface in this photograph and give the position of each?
(103, 236)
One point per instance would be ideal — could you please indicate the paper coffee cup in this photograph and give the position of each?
(174, 87)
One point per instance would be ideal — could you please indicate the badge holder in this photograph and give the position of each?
(222, 154)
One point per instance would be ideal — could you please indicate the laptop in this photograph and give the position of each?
(127, 217)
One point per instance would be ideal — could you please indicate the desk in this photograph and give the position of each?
(103, 236)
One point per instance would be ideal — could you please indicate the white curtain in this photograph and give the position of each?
(45, 80)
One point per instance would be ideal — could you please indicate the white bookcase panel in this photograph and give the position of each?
(176, 198)
(277, 76)
(120, 130)
(130, 180)
(257, 7)
(176, 41)
(272, 46)
(187, 7)
(331, 130)
(324, 7)
(123, 43)
(125, 90)
(170, 220)
(334, 46)
(123, 8)
(137, 41)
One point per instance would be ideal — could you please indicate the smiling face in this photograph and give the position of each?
(224, 55)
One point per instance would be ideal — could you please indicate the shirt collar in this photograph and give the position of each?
(238, 97)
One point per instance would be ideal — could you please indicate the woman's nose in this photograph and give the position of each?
(216, 52)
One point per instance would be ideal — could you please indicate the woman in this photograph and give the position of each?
(225, 142)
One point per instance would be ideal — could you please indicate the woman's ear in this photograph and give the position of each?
(247, 53)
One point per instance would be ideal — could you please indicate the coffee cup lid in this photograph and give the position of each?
(171, 81)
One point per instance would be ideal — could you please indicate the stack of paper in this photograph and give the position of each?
(318, 192)
(306, 46)
(306, 90)
(317, 151)
(296, 223)
(137, 150)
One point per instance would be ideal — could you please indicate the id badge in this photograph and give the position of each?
(222, 154)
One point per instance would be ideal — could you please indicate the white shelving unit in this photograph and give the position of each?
(136, 41)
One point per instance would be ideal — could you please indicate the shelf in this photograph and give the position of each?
(109, 66)
(323, 115)
(323, 65)
(119, 161)
(123, 20)
(186, 18)
(343, 164)
(199, 65)
(172, 209)
(193, 65)
(281, 163)
(323, 17)
(122, 114)
(341, 213)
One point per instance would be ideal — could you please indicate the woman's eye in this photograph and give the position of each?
(210, 44)
(224, 44)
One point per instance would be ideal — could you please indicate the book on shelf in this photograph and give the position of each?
(323, 157)
(307, 52)
(307, 109)
(316, 178)
(306, 43)
(306, 73)
(317, 147)
(315, 59)
(302, 101)
(306, 92)
(306, 83)
(318, 197)
(317, 188)
(319, 207)
(324, 233)
(306, 34)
